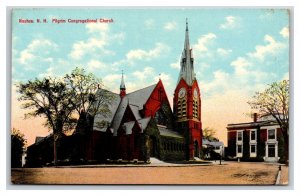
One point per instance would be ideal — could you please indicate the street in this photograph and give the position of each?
(230, 173)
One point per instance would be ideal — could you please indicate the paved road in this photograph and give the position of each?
(231, 173)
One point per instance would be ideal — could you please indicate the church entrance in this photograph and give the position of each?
(196, 149)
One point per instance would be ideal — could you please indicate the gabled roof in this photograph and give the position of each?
(135, 101)
(140, 97)
(128, 127)
(144, 123)
(116, 121)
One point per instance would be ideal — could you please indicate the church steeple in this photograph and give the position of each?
(122, 87)
(187, 60)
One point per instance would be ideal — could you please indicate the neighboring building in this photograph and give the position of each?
(213, 148)
(260, 140)
(141, 125)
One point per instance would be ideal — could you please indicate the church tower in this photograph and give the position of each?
(187, 102)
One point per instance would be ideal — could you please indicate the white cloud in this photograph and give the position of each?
(165, 78)
(141, 75)
(272, 47)
(231, 22)
(95, 65)
(241, 66)
(97, 27)
(170, 26)
(81, 48)
(223, 52)
(285, 32)
(140, 54)
(220, 81)
(49, 73)
(100, 37)
(37, 49)
(203, 41)
(175, 65)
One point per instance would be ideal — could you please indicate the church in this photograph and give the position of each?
(141, 125)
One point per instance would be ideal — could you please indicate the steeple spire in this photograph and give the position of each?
(122, 87)
(187, 60)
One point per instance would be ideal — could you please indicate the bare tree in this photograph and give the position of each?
(209, 134)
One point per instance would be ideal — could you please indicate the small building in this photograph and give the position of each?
(260, 140)
(212, 149)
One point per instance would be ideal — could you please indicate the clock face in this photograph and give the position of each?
(195, 93)
(182, 92)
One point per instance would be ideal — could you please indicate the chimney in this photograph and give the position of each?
(255, 117)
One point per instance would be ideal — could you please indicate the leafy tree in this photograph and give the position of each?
(18, 143)
(88, 95)
(275, 101)
(49, 97)
(210, 134)
(62, 100)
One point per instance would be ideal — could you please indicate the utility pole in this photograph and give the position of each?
(220, 155)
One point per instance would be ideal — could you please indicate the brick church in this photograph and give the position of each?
(141, 125)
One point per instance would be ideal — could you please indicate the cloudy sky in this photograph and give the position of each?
(236, 51)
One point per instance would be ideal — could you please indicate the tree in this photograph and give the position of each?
(18, 143)
(275, 101)
(209, 134)
(88, 95)
(62, 100)
(49, 97)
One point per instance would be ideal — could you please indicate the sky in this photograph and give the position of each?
(237, 52)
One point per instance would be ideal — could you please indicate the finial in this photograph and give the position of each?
(159, 75)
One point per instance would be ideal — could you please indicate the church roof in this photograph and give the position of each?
(144, 122)
(116, 121)
(140, 97)
(128, 127)
(168, 132)
(135, 101)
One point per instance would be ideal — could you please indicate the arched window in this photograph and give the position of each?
(181, 107)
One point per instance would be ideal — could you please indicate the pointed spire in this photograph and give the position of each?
(187, 60)
(122, 86)
(187, 39)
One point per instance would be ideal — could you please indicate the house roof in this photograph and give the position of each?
(212, 143)
(252, 124)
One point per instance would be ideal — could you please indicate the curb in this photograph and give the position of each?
(278, 178)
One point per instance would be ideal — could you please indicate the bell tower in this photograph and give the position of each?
(187, 102)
